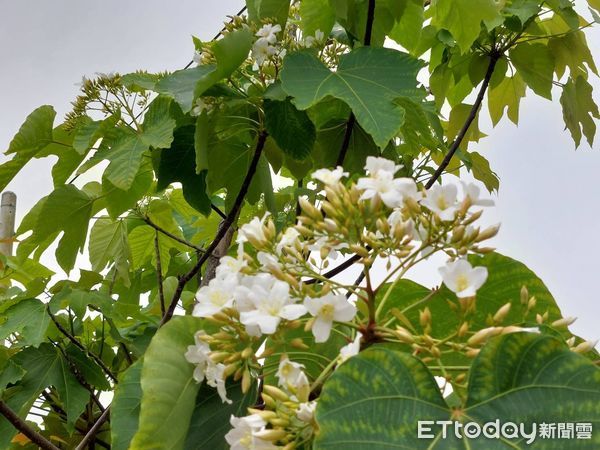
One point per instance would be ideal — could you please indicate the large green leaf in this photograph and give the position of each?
(168, 388)
(108, 243)
(579, 109)
(292, 129)
(407, 29)
(126, 158)
(535, 63)
(463, 18)
(268, 9)
(316, 15)
(210, 421)
(33, 136)
(158, 124)
(125, 407)
(375, 399)
(506, 95)
(180, 85)
(178, 163)
(45, 366)
(29, 319)
(368, 79)
(117, 200)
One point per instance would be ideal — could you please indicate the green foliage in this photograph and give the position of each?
(292, 129)
(168, 389)
(538, 380)
(125, 409)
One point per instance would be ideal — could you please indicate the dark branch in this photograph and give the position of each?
(346, 141)
(81, 347)
(92, 433)
(223, 229)
(494, 57)
(370, 20)
(24, 428)
(339, 269)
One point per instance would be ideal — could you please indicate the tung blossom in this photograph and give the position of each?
(306, 411)
(218, 294)
(462, 278)
(263, 301)
(472, 192)
(243, 434)
(441, 199)
(331, 307)
(290, 374)
(269, 32)
(328, 176)
(199, 107)
(253, 231)
(351, 349)
(375, 165)
(199, 355)
(262, 50)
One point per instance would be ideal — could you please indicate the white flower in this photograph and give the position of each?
(253, 230)
(319, 36)
(350, 350)
(441, 199)
(472, 191)
(263, 301)
(215, 378)
(262, 50)
(290, 374)
(242, 435)
(229, 266)
(306, 411)
(268, 261)
(269, 32)
(374, 165)
(462, 278)
(288, 239)
(199, 107)
(327, 176)
(216, 296)
(392, 191)
(198, 354)
(326, 309)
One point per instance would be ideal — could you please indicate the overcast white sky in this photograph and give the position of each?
(548, 201)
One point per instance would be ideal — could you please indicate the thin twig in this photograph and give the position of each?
(159, 278)
(81, 347)
(92, 432)
(494, 57)
(227, 223)
(171, 235)
(24, 428)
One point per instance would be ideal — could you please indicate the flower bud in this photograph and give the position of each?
(275, 392)
(483, 335)
(425, 317)
(299, 344)
(247, 353)
(564, 322)
(524, 295)
(488, 233)
(464, 328)
(271, 435)
(502, 313)
(585, 346)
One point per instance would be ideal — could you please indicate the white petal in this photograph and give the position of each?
(321, 329)
(292, 312)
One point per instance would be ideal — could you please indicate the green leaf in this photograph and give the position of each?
(535, 63)
(457, 119)
(391, 389)
(463, 18)
(66, 209)
(368, 79)
(87, 134)
(87, 367)
(571, 50)
(125, 159)
(32, 137)
(293, 130)
(202, 136)
(210, 421)
(108, 243)
(522, 378)
(117, 200)
(506, 95)
(268, 9)
(180, 85)
(125, 407)
(407, 29)
(579, 110)
(480, 167)
(44, 366)
(316, 15)
(168, 388)
(523, 9)
(28, 319)
(158, 124)
(178, 163)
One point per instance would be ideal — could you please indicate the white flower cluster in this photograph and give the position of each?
(265, 46)
(199, 354)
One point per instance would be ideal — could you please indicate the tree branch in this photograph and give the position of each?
(24, 428)
(223, 229)
(92, 432)
(494, 57)
(81, 347)
(171, 235)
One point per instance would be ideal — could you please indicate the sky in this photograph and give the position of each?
(548, 202)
